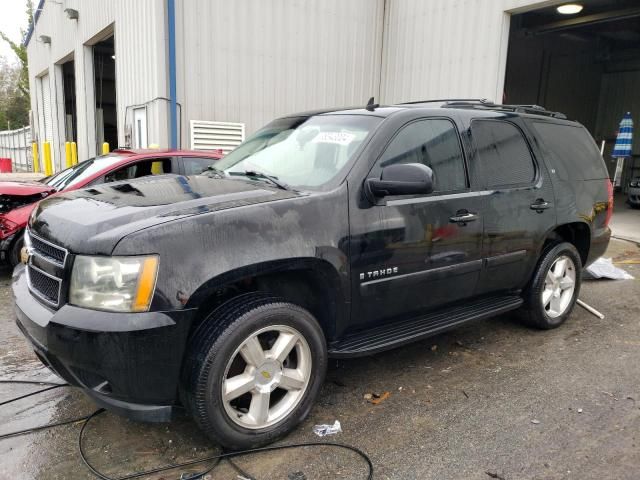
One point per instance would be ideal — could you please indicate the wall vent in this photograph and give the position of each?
(225, 136)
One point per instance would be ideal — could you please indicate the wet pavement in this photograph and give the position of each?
(490, 400)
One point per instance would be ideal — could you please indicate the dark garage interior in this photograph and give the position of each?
(585, 65)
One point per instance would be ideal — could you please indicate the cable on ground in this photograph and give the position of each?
(216, 459)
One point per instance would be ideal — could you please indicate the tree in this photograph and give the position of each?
(14, 101)
(14, 105)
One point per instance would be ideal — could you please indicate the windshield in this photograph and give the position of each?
(82, 171)
(303, 152)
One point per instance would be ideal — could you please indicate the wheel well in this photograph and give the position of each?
(576, 233)
(308, 288)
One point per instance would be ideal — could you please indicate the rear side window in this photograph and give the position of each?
(434, 143)
(502, 158)
(572, 151)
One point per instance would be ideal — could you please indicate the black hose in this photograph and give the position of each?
(221, 456)
(216, 459)
(29, 394)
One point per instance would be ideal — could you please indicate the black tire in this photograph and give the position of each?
(16, 247)
(533, 312)
(211, 348)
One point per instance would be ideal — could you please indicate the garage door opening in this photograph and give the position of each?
(586, 65)
(70, 117)
(104, 66)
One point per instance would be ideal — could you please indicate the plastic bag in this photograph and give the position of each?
(322, 430)
(604, 268)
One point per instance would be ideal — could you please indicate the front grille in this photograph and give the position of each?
(44, 286)
(44, 255)
(48, 250)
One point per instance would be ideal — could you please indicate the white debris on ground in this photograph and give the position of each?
(604, 268)
(322, 430)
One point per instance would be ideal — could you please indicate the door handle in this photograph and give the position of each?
(463, 217)
(539, 205)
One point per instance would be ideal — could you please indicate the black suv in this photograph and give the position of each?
(333, 233)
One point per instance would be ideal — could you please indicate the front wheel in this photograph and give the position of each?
(16, 248)
(257, 366)
(552, 293)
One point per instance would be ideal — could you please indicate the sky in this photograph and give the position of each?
(12, 19)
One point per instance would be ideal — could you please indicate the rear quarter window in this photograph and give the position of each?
(503, 158)
(571, 151)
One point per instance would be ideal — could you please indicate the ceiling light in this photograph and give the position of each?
(570, 9)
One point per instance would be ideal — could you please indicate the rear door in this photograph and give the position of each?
(518, 205)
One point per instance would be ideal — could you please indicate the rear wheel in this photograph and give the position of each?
(256, 367)
(552, 293)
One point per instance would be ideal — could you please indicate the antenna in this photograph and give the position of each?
(372, 106)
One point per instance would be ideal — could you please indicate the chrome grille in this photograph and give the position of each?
(48, 250)
(44, 255)
(45, 286)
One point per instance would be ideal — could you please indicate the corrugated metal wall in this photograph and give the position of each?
(447, 48)
(140, 49)
(251, 60)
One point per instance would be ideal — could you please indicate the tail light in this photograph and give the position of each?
(609, 202)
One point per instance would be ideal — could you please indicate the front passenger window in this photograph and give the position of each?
(434, 143)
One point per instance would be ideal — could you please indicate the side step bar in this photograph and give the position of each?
(399, 333)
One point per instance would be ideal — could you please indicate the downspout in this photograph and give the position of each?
(173, 106)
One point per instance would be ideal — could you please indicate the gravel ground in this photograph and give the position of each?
(490, 400)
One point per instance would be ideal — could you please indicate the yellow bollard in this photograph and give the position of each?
(74, 153)
(48, 166)
(67, 154)
(36, 160)
(105, 148)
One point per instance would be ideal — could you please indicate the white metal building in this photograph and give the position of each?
(111, 69)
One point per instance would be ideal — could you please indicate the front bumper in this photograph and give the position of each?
(128, 363)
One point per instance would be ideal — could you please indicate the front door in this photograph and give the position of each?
(412, 254)
(517, 207)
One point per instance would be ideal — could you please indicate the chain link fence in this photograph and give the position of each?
(16, 145)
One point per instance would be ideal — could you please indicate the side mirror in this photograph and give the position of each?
(401, 179)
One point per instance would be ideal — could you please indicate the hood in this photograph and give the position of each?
(93, 220)
(24, 188)
(14, 196)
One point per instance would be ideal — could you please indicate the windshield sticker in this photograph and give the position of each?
(341, 138)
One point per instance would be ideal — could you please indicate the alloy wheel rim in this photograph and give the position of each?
(266, 377)
(559, 286)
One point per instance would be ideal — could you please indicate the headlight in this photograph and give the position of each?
(633, 184)
(120, 284)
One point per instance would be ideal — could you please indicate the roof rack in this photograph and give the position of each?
(447, 100)
(486, 105)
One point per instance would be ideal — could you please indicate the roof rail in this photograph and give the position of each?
(447, 100)
(485, 105)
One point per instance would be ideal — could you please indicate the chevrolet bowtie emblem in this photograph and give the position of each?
(266, 374)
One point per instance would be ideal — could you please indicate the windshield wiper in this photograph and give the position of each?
(213, 172)
(271, 178)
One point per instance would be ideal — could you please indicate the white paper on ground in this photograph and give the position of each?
(322, 430)
(604, 268)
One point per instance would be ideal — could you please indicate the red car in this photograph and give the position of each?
(17, 199)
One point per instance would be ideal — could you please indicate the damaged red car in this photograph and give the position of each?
(17, 199)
